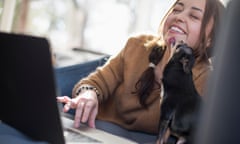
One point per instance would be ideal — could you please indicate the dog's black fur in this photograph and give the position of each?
(181, 101)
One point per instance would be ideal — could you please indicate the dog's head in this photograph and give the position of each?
(179, 67)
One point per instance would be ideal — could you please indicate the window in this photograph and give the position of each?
(97, 25)
(1, 9)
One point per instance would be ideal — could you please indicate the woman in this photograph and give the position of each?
(124, 93)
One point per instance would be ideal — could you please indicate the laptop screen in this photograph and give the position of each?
(29, 103)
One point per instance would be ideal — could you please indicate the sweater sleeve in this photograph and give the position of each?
(107, 77)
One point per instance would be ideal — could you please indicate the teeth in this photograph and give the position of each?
(176, 29)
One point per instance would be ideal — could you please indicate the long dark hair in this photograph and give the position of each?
(147, 80)
(213, 9)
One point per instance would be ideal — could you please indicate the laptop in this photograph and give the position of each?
(28, 100)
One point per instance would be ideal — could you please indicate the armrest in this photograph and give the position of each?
(67, 77)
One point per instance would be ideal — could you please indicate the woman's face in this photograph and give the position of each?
(184, 22)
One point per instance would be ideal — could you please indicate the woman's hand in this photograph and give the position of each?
(86, 105)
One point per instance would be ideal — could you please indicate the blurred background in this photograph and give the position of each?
(82, 30)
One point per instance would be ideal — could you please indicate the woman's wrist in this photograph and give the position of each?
(85, 87)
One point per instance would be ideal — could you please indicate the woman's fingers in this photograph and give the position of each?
(69, 103)
(67, 106)
(89, 113)
(63, 99)
(92, 117)
(78, 114)
(86, 107)
(86, 111)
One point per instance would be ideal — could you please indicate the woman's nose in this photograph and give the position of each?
(181, 17)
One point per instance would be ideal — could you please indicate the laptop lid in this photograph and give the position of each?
(28, 100)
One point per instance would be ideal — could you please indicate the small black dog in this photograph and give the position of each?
(181, 101)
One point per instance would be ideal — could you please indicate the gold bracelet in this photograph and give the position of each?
(82, 88)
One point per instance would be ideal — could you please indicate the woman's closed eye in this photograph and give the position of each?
(176, 10)
(196, 14)
(194, 17)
